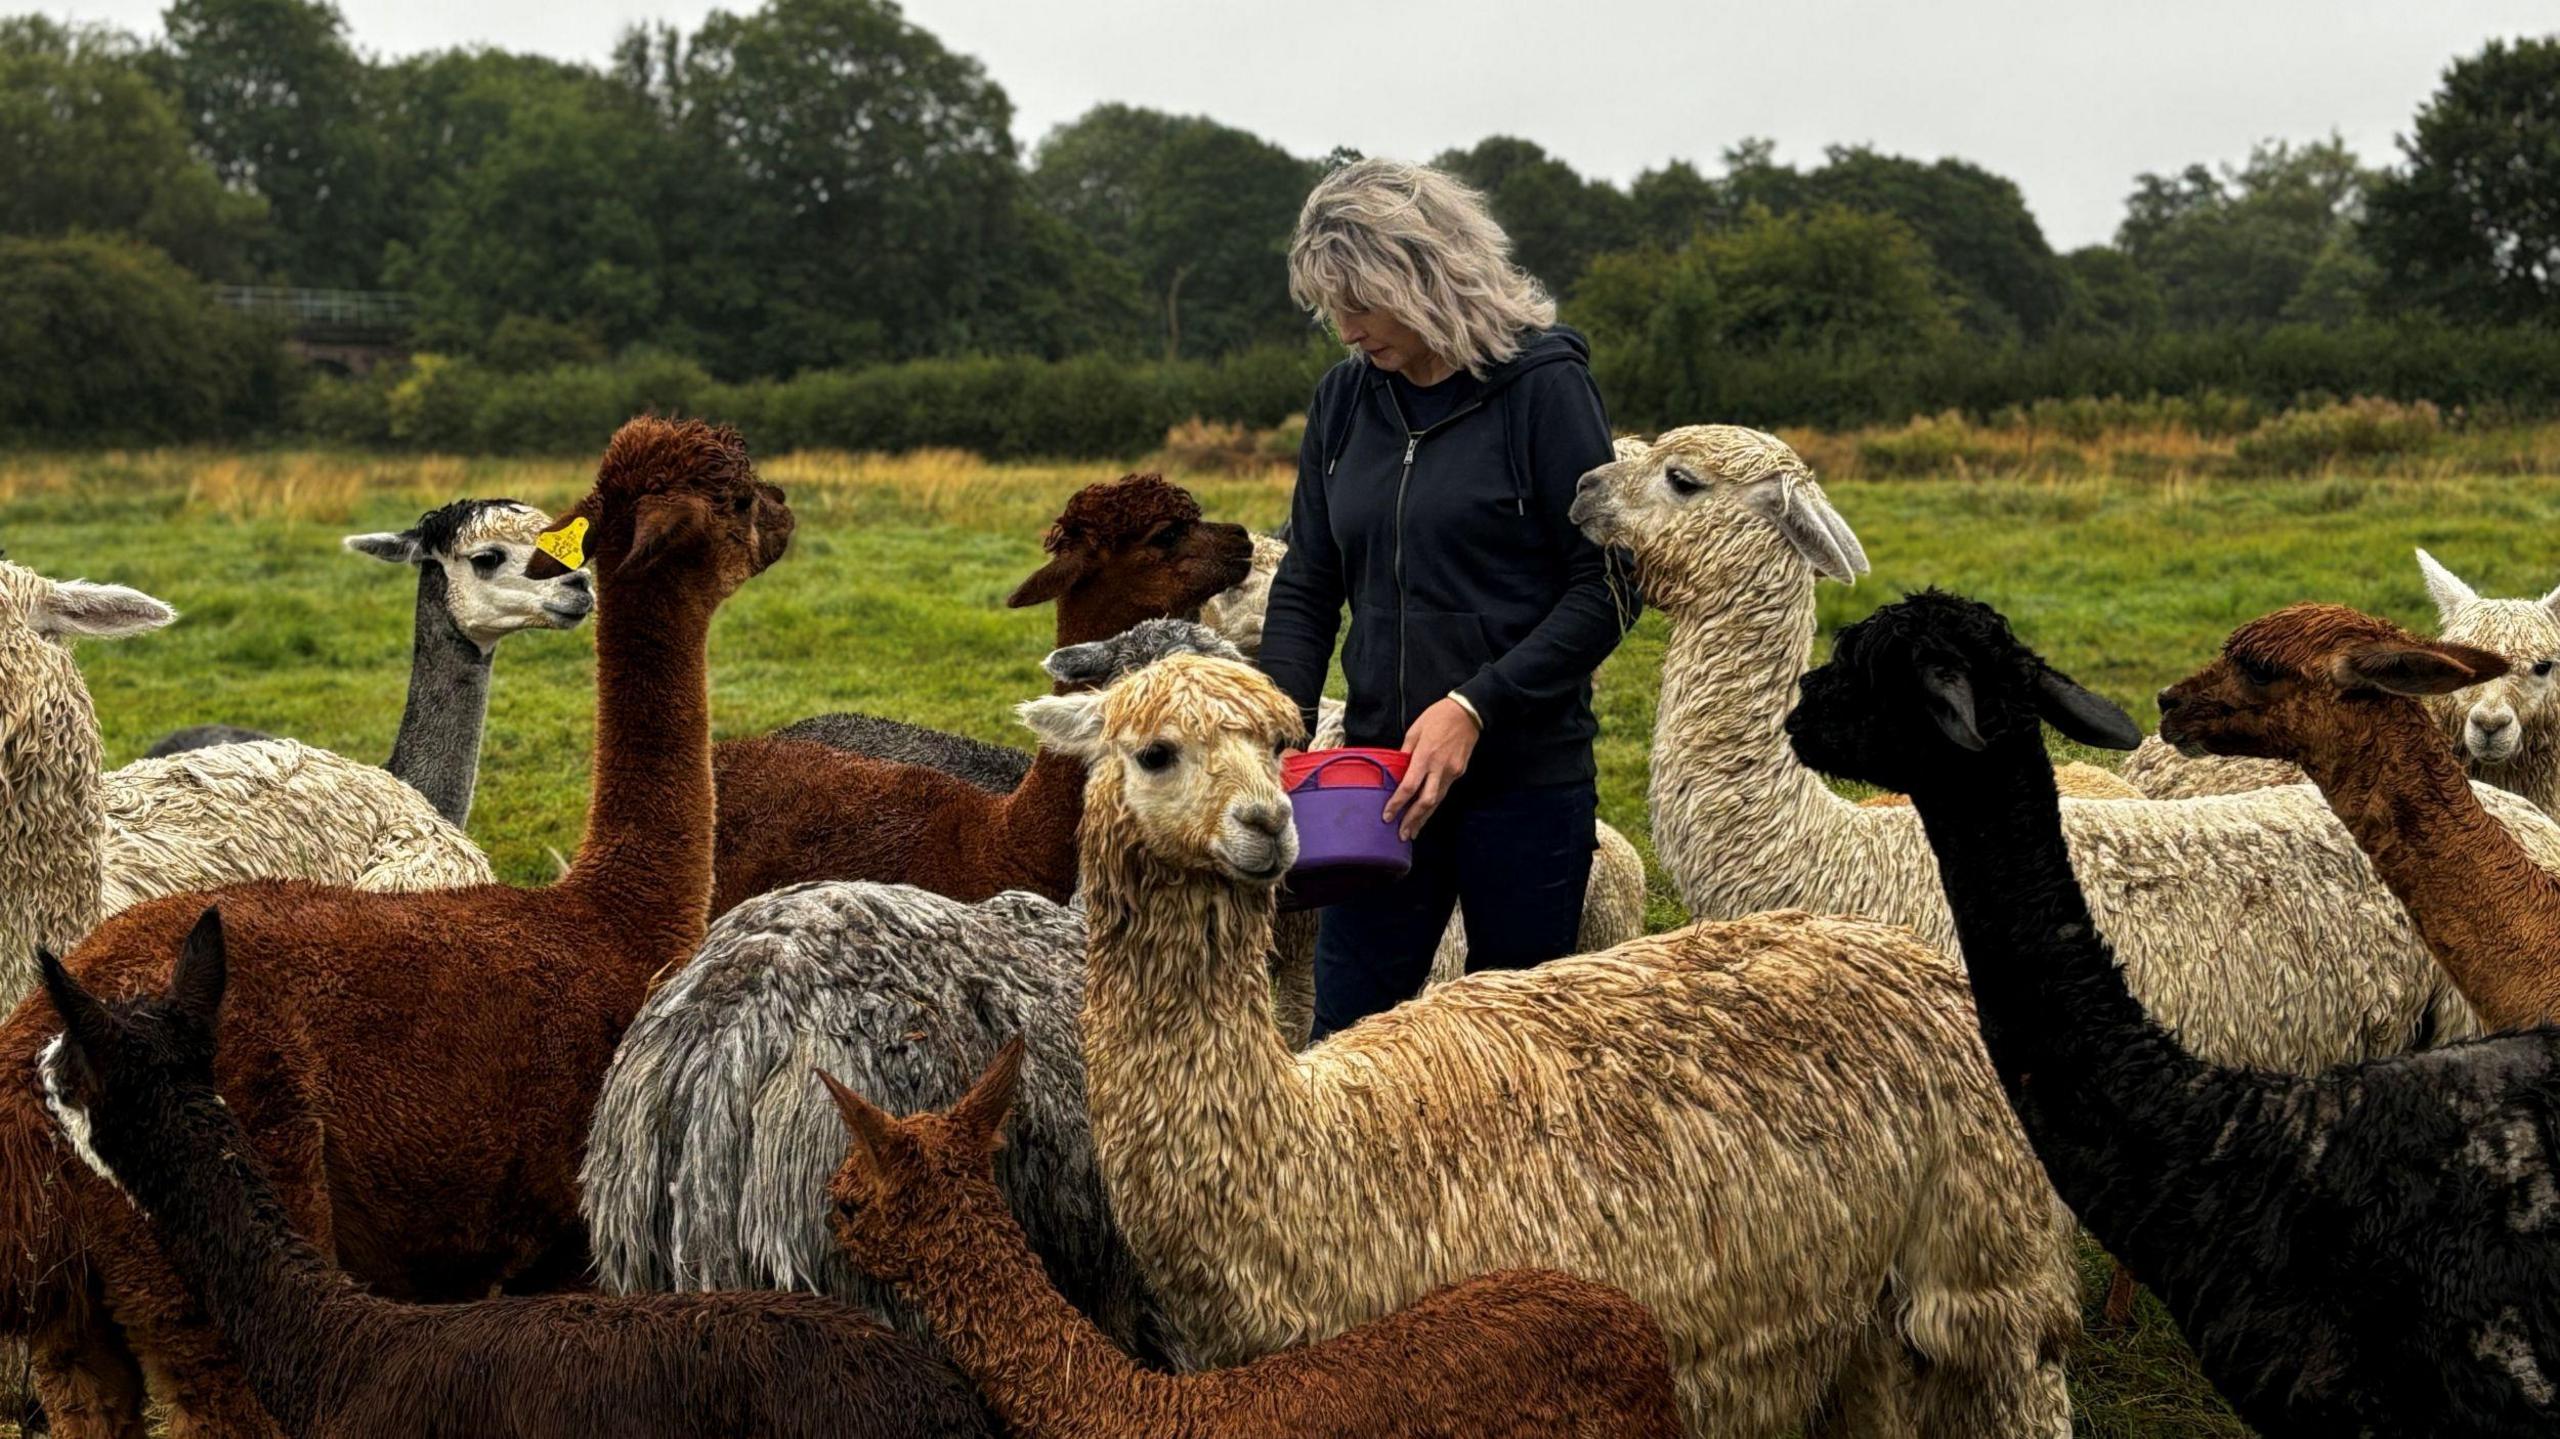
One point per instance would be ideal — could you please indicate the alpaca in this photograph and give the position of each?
(80, 846)
(1124, 550)
(793, 811)
(2075, 779)
(2251, 924)
(2367, 1250)
(132, 1087)
(2340, 694)
(417, 1070)
(472, 593)
(2508, 728)
(709, 1149)
(1644, 1117)
(1525, 1354)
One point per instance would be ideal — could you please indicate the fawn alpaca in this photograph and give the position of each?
(132, 1087)
(1521, 1354)
(2341, 695)
(416, 1069)
(2374, 1249)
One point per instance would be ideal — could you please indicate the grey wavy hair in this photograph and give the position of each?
(1413, 243)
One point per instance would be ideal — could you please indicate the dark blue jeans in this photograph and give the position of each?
(1517, 860)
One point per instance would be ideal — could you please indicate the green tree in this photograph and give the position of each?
(1200, 213)
(1975, 224)
(89, 143)
(2471, 225)
(275, 97)
(1673, 204)
(1557, 220)
(2110, 294)
(108, 338)
(1825, 277)
(848, 193)
(2238, 244)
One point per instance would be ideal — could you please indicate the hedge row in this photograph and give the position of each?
(1001, 408)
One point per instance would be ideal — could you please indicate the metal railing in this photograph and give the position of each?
(379, 311)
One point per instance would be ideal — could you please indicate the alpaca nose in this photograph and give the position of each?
(1270, 819)
(2491, 723)
(2168, 701)
(576, 580)
(1590, 480)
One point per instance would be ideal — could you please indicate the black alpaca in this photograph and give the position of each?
(2374, 1250)
(132, 1087)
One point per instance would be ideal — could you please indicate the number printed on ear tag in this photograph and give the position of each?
(567, 544)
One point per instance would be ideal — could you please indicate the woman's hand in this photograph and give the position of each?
(1441, 740)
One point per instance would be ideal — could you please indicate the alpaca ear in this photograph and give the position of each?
(1069, 724)
(2076, 713)
(660, 525)
(2447, 590)
(1086, 664)
(1051, 580)
(2551, 602)
(84, 1020)
(1810, 525)
(203, 970)
(544, 565)
(77, 609)
(394, 549)
(1950, 695)
(980, 1113)
(2417, 669)
(868, 1124)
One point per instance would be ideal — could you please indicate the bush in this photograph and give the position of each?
(2362, 428)
(109, 339)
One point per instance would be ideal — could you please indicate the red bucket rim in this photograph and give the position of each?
(1299, 770)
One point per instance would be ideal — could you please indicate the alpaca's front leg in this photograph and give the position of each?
(85, 1376)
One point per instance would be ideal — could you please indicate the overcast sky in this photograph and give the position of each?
(2070, 99)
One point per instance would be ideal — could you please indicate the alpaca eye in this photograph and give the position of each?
(2259, 673)
(1682, 483)
(1157, 758)
(485, 563)
(1170, 535)
(2541, 667)
(742, 503)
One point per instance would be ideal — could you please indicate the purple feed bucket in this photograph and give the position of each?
(1345, 845)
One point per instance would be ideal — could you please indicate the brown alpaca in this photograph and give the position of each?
(415, 1069)
(793, 810)
(1510, 1355)
(2339, 693)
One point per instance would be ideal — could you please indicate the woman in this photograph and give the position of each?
(1439, 460)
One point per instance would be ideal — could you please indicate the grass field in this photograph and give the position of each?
(891, 601)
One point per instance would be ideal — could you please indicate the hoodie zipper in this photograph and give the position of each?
(1413, 439)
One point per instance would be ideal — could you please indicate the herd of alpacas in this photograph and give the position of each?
(865, 1080)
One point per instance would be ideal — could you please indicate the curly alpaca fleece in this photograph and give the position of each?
(2369, 1250)
(2508, 729)
(2252, 924)
(1647, 1117)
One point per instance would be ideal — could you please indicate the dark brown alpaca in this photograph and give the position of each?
(794, 809)
(415, 1069)
(135, 1083)
(1521, 1353)
(2336, 692)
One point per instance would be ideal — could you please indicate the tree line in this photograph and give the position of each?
(821, 186)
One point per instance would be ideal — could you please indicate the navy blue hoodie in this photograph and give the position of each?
(1463, 574)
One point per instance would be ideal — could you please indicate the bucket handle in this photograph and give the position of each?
(1386, 776)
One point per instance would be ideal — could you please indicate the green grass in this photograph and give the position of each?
(891, 601)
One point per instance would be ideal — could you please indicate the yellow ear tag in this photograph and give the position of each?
(567, 544)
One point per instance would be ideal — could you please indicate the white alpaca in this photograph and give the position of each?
(1780, 1133)
(2252, 923)
(78, 845)
(2508, 730)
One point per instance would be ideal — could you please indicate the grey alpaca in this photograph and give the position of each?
(472, 592)
(709, 1155)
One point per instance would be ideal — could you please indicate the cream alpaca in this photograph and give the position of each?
(2252, 924)
(2507, 730)
(1868, 1231)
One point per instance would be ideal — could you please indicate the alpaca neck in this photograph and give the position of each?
(286, 1313)
(1041, 1364)
(2094, 1079)
(1180, 1053)
(438, 750)
(1039, 823)
(648, 846)
(52, 834)
(2486, 911)
(1735, 816)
